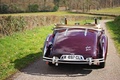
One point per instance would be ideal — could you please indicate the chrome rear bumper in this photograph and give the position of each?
(89, 61)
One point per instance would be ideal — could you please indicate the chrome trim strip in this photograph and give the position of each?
(74, 62)
(77, 27)
(66, 32)
(85, 32)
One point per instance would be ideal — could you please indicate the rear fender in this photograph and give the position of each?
(104, 45)
(47, 45)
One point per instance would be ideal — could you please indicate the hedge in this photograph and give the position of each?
(11, 24)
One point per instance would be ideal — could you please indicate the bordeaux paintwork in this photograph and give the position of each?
(77, 41)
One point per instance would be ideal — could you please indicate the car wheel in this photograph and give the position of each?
(102, 65)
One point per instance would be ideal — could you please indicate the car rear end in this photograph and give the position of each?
(75, 46)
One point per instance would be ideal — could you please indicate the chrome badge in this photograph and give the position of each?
(88, 48)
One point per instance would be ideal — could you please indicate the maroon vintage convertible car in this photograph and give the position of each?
(76, 44)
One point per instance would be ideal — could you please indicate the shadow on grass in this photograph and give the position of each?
(27, 60)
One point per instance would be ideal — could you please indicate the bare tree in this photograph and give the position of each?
(44, 4)
(0, 6)
(56, 2)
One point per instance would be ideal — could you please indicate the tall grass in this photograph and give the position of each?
(114, 30)
(10, 24)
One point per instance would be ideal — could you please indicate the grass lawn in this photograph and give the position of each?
(108, 11)
(114, 30)
(20, 49)
(58, 13)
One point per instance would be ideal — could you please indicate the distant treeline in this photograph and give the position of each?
(87, 5)
(15, 6)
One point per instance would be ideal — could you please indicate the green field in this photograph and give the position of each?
(59, 13)
(22, 48)
(108, 11)
(114, 30)
(115, 10)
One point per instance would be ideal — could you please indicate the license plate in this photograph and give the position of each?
(72, 57)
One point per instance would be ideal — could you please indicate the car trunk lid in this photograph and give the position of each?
(75, 42)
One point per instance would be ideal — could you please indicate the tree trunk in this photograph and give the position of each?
(44, 4)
